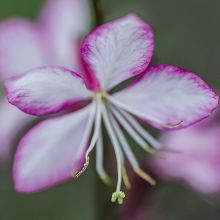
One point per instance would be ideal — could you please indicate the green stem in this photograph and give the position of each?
(102, 191)
(98, 12)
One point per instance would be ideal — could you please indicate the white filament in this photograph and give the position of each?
(99, 157)
(132, 111)
(153, 142)
(129, 129)
(115, 144)
(87, 129)
(129, 154)
(97, 128)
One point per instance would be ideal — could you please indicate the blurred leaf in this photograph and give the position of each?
(73, 200)
(21, 8)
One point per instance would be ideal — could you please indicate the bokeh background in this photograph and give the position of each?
(187, 34)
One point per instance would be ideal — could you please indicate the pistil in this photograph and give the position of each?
(118, 195)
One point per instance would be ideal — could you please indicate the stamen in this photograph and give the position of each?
(144, 175)
(118, 195)
(132, 132)
(85, 165)
(126, 178)
(106, 180)
(97, 127)
(141, 115)
(99, 161)
(124, 172)
(173, 125)
(130, 155)
(148, 137)
(164, 150)
(156, 144)
(171, 150)
(85, 139)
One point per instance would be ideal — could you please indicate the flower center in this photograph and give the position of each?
(117, 121)
(101, 96)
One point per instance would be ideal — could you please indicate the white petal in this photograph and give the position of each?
(118, 50)
(168, 97)
(53, 151)
(46, 90)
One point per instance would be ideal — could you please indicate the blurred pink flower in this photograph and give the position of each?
(53, 40)
(198, 160)
(138, 204)
(140, 212)
(56, 149)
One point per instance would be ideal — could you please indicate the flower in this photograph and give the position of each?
(24, 44)
(196, 161)
(56, 150)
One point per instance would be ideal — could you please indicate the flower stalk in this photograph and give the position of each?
(98, 12)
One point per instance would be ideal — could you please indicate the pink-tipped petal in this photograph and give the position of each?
(46, 90)
(53, 151)
(12, 122)
(118, 50)
(197, 159)
(169, 97)
(67, 21)
(22, 47)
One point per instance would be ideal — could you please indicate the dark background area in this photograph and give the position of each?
(187, 34)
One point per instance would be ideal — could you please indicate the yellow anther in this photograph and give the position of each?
(125, 178)
(85, 165)
(171, 150)
(106, 180)
(174, 125)
(144, 176)
(150, 150)
(153, 152)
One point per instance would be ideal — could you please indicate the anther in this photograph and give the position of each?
(153, 152)
(150, 150)
(144, 176)
(170, 150)
(107, 180)
(174, 125)
(125, 178)
(85, 165)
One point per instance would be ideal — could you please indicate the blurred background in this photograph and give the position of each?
(187, 34)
